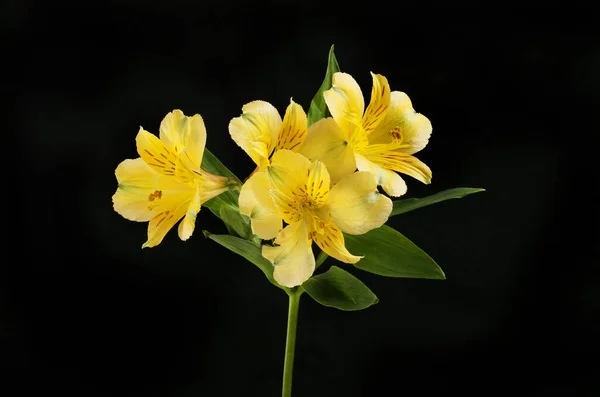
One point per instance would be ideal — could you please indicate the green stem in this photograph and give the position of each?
(290, 342)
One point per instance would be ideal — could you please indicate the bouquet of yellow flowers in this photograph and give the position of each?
(323, 177)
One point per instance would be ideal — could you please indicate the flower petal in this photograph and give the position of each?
(143, 193)
(162, 222)
(345, 102)
(256, 130)
(391, 182)
(355, 204)
(212, 185)
(288, 173)
(256, 203)
(414, 128)
(379, 104)
(293, 129)
(187, 225)
(156, 153)
(399, 161)
(293, 257)
(332, 242)
(327, 143)
(317, 184)
(180, 132)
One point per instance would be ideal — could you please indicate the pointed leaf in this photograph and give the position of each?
(236, 223)
(249, 250)
(225, 206)
(213, 165)
(402, 206)
(388, 253)
(339, 289)
(318, 107)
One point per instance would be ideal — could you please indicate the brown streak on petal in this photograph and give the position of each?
(295, 145)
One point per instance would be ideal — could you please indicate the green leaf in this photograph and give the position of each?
(236, 223)
(247, 249)
(318, 107)
(402, 206)
(388, 253)
(213, 165)
(339, 289)
(225, 206)
(321, 258)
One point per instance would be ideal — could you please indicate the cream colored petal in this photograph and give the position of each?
(414, 128)
(143, 193)
(345, 102)
(391, 182)
(355, 204)
(155, 153)
(327, 143)
(162, 222)
(256, 131)
(379, 104)
(288, 174)
(332, 242)
(292, 257)
(293, 129)
(187, 225)
(180, 132)
(256, 203)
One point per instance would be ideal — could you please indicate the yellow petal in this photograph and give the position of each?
(180, 132)
(187, 225)
(391, 182)
(399, 161)
(412, 128)
(256, 203)
(332, 242)
(293, 257)
(317, 185)
(162, 222)
(293, 129)
(327, 143)
(355, 204)
(288, 173)
(143, 193)
(212, 185)
(256, 131)
(345, 102)
(379, 104)
(155, 153)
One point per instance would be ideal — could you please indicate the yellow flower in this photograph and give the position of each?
(300, 192)
(380, 140)
(260, 132)
(166, 182)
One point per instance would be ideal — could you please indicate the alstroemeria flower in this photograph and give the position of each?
(166, 182)
(260, 132)
(314, 210)
(380, 140)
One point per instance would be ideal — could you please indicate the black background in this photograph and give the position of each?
(509, 94)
